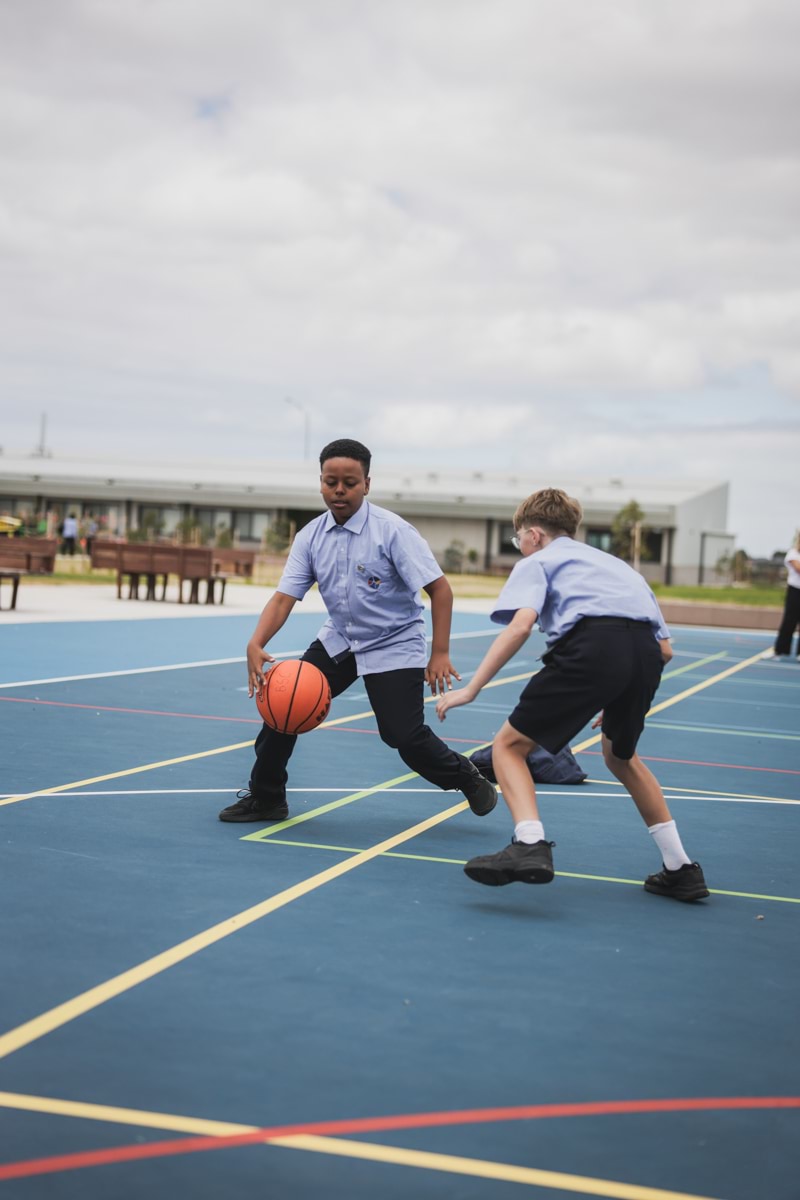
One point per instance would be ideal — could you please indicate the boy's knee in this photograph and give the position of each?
(613, 761)
(510, 740)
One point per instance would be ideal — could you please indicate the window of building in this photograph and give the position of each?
(506, 531)
(599, 538)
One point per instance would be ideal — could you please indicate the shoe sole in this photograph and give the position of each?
(687, 897)
(498, 877)
(245, 817)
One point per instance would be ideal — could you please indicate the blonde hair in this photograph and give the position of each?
(553, 510)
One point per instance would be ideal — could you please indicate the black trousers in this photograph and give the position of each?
(397, 701)
(790, 622)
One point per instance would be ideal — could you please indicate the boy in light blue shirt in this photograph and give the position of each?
(369, 565)
(607, 646)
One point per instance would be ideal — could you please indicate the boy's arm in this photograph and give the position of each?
(504, 647)
(275, 612)
(440, 670)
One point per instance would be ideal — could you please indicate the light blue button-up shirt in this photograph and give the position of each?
(569, 580)
(369, 572)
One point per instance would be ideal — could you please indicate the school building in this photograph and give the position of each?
(465, 515)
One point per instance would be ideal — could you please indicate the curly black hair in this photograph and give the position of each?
(347, 448)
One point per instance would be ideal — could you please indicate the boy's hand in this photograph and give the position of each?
(453, 700)
(597, 721)
(666, 650)
(256, 657)
(440, 672)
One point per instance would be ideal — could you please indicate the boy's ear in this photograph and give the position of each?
(366, 485)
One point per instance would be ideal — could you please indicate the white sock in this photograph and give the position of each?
(670, 845)
(529, 832)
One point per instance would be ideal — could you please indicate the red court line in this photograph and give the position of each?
(691, 762)
(192, 1145)
(154, 712)
(145, 712)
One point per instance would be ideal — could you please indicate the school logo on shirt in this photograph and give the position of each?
(374, 582)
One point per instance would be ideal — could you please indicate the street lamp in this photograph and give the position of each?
(306, 424)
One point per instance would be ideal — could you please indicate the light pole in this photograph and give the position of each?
(306, 423)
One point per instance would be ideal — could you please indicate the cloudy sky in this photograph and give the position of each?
(548, 234)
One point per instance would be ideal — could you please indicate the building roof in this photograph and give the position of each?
(268, 485)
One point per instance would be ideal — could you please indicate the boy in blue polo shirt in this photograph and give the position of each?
(607, 646)
(369, 565)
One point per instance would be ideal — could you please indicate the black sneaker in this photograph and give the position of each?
(481, 794)
(520, 862)
(253, 808)
(687, 883)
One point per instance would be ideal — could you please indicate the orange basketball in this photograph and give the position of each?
(295, 697)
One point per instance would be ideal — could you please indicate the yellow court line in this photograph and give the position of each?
(344, 1148)
(169, 762)
(62, 1014)
(460, 862)
(478, 1168)
(122, 1116)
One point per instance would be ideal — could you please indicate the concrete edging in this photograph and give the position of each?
(732, 616)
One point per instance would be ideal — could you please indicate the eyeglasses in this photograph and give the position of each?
(515, 542)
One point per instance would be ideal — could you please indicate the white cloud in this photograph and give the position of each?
(437, 223)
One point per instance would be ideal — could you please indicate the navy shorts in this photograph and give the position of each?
(611, 664)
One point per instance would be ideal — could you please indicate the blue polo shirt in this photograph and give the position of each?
(369, 572)
(568, 580)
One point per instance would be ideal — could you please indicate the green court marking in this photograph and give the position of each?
(280, 826)
(701, 662)
(460, 862)
(748, 733)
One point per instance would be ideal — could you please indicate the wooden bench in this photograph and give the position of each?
(154, 563)
(29, 555)
(233, 560)
(5, 573)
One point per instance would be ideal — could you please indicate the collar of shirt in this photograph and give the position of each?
(356, 522)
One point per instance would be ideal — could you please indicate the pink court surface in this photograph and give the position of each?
(327, 1006)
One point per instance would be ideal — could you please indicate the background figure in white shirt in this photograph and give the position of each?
(791, 607)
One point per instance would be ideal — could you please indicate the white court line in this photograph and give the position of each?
(211, 662)
(564, 790)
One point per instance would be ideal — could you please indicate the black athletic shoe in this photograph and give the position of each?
(481, 794)
(687, 883)
(518, 863)
(253, 808)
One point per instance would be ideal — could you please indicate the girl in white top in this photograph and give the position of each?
(791, 607)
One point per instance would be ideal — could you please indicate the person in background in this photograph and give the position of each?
(791, 605)
(69, 534)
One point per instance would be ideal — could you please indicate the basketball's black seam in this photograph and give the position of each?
(291, 698)
(315, 705)
(266, 700)
(322, 685)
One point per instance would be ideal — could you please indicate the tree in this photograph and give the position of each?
(629, 535)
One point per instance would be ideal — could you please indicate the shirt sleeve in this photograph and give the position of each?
(662, 630)
(298, 574)
(413, 558)
(526, 587)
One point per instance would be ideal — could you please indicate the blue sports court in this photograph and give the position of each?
(327, 1006)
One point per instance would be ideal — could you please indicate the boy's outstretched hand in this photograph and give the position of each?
(453, 700)
(440, 673)
(256, 657)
